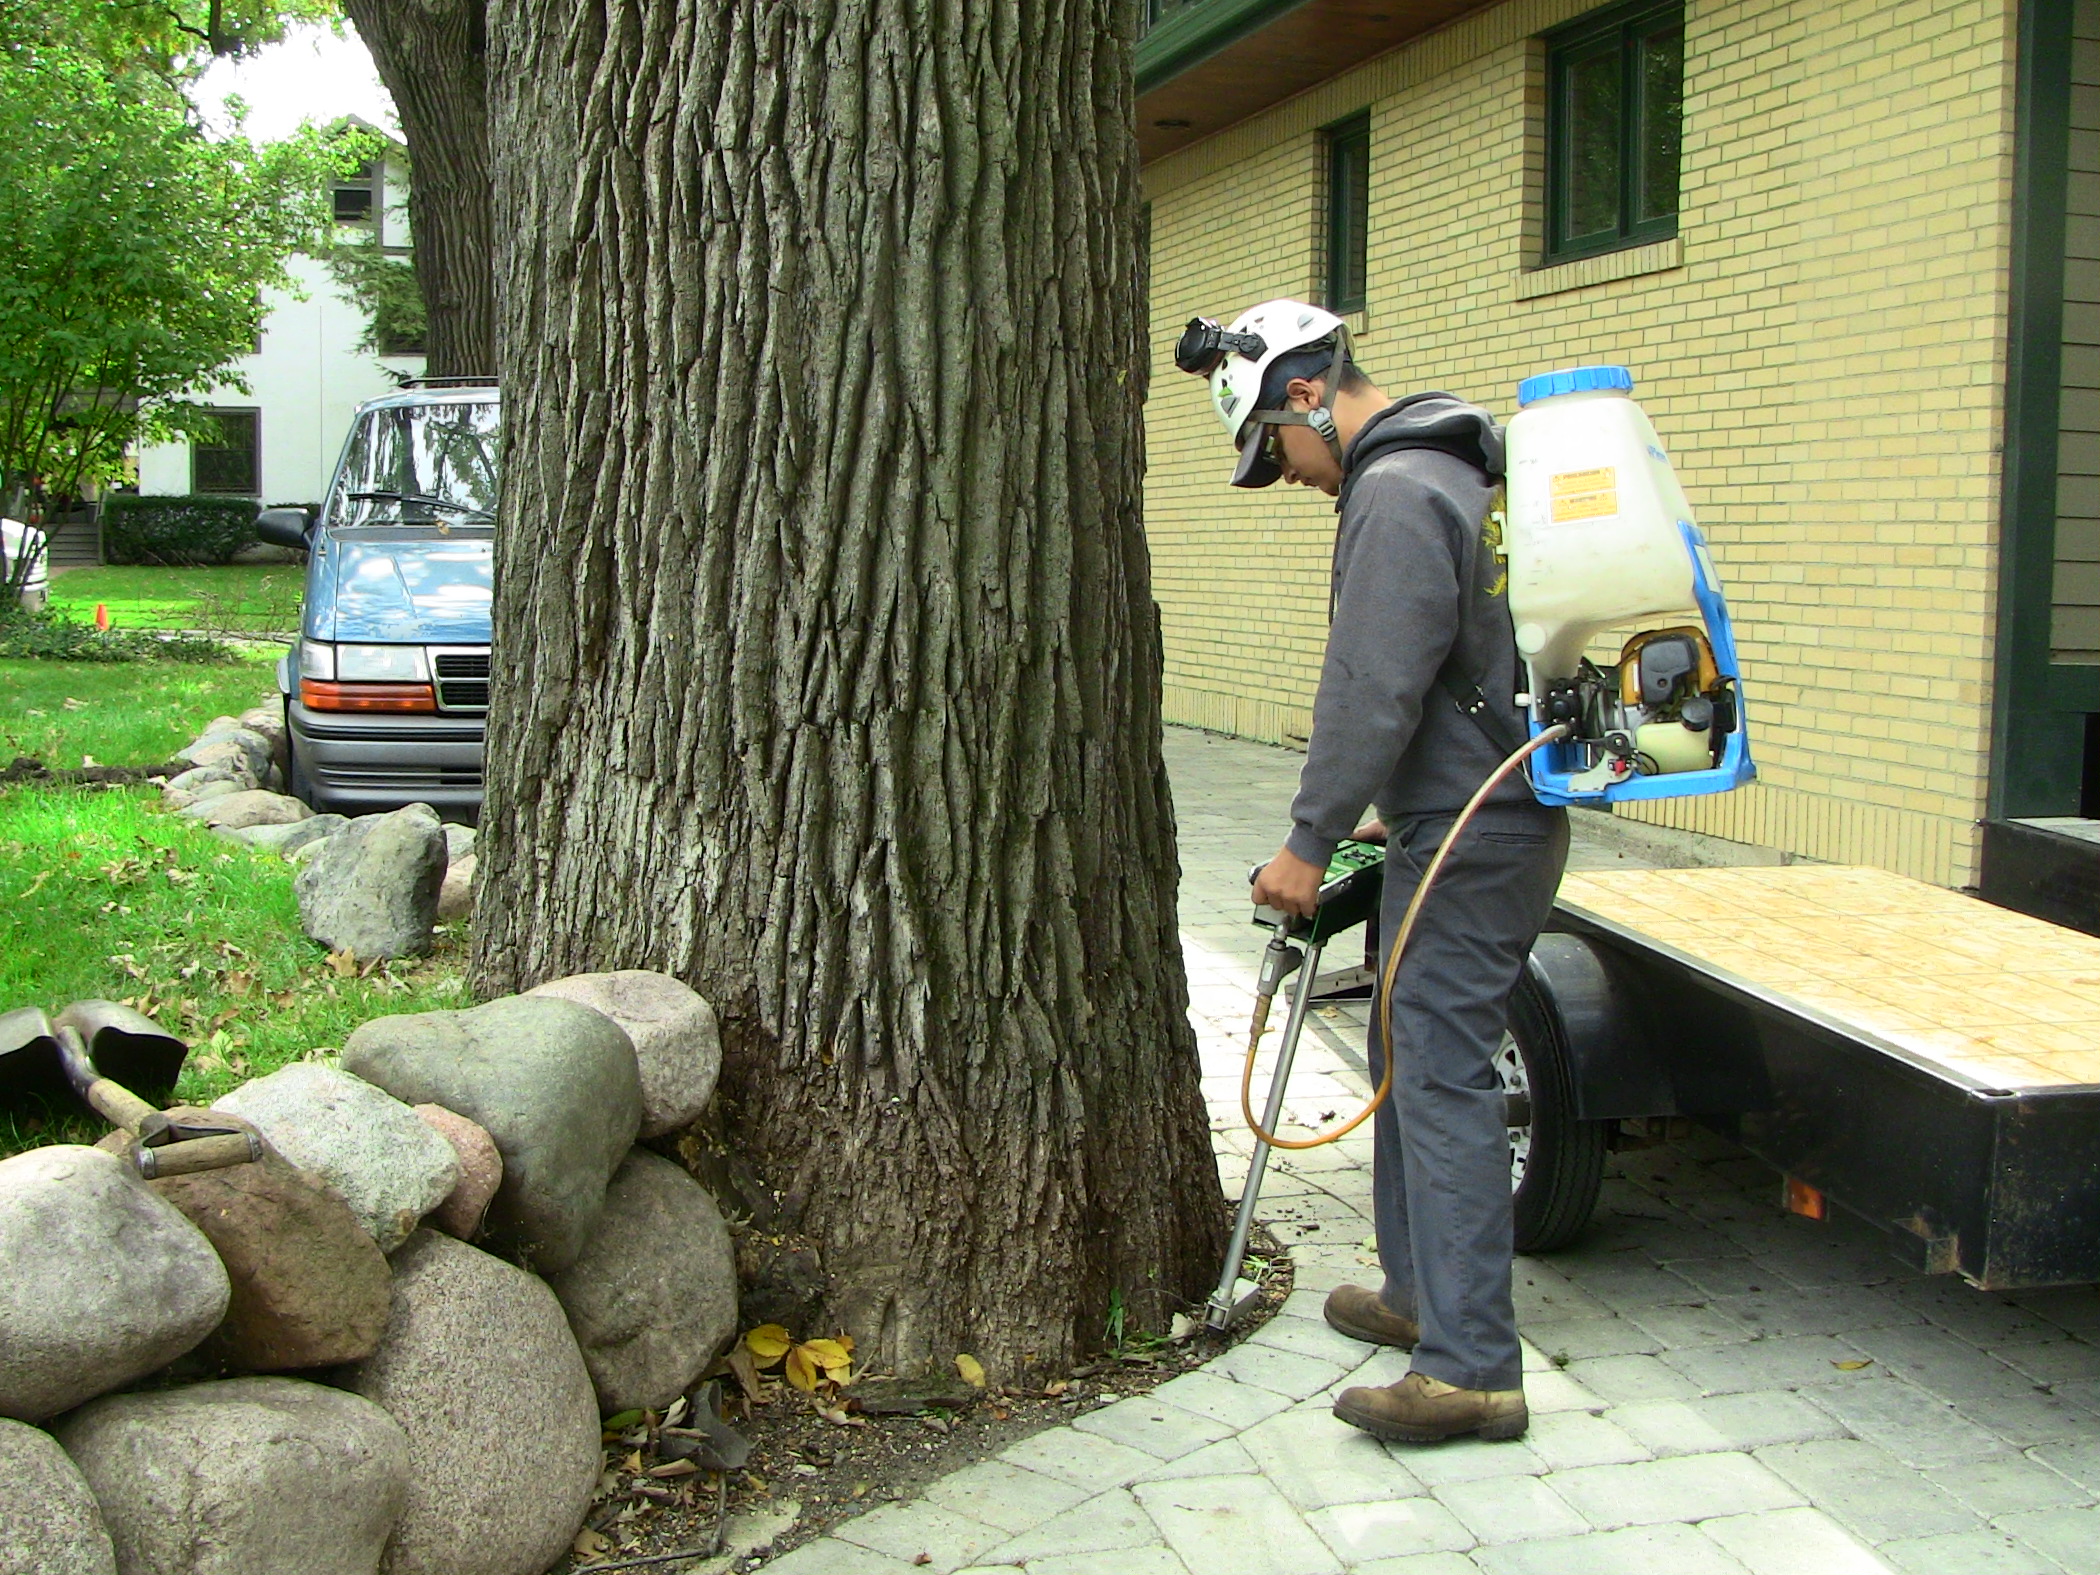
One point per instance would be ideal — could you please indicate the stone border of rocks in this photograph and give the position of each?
(373, 885)
(306, 1363)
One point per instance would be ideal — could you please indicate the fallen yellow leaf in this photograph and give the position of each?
(971, 1369)
(769, 1343)
(830, 1355)
(801, 1371)
(1851, 1367)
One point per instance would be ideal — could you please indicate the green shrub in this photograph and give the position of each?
(184, 531)
(57, 638)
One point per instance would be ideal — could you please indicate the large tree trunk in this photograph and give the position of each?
(432, 56)
(827, 665)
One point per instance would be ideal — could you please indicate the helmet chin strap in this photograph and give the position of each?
(1321, 417)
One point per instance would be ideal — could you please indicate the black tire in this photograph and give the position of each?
(1556, 1163)
(297, 782)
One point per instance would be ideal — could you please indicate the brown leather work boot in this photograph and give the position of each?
(1362, 1315)
(1423, 1410)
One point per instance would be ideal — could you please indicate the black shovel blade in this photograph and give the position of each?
(127, 1047)
(32, 1066)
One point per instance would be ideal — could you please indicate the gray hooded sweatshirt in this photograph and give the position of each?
(1414, 580)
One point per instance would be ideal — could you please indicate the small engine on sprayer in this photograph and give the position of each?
(1597, 534)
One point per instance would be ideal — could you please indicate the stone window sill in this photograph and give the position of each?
(1655, 257)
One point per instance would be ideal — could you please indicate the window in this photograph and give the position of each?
(353, 195)
(231, 461)
(1614, 109)
(1348, 213)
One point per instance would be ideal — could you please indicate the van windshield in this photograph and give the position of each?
(419, 465)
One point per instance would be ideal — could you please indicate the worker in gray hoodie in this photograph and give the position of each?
(1415, 710)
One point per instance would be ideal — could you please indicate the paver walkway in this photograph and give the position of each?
(1715, 1385)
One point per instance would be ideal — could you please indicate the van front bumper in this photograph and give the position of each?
(360, 763)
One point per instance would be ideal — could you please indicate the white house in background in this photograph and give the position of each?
(280, 439)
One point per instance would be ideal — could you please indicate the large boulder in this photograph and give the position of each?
(244, 1476)
(230, 745)
(552, 1082)
(310, 1286)
(479, 1368)
(653, 1298)
(480, 1171)
(49, 1523)
(251, 807)
(373, 887)
(105, 1280)
(676, 1042)
(391, 1168)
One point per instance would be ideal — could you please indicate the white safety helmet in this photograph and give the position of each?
(1236, 359)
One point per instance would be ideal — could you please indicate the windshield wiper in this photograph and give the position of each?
(423, 499)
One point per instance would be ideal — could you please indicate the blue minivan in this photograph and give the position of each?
(387, 690)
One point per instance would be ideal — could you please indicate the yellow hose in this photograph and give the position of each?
(1391, 971)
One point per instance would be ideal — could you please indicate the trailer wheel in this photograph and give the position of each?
(1556, 1161)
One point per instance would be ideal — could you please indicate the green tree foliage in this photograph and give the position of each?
(137, 252)
(383, 286)
(158, 41)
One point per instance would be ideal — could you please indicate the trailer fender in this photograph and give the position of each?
(1590, 1005)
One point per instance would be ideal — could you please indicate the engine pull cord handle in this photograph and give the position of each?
(1387, 976)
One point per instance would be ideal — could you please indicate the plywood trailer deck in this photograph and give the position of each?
(1924, 1059)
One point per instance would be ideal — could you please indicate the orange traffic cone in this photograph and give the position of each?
(102, 616)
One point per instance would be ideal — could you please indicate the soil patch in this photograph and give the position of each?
(833, 1470)
(26, 768)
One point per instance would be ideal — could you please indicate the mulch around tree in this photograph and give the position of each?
(889, 1450)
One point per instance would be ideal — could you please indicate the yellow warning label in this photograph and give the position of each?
(1585, 494)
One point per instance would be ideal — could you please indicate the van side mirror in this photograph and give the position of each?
(284, 527)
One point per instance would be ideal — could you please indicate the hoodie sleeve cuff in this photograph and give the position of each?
(1310, 845)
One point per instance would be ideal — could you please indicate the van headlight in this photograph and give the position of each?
(363, 664)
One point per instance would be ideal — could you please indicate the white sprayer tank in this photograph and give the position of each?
(1591, 533)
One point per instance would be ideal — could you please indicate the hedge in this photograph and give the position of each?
(175, 531)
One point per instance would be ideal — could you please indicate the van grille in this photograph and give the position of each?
(462, 680)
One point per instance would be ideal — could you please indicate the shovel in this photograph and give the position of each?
(127, 1046)
(167, 1145)
(120, 1043)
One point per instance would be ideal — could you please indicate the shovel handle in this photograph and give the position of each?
(122, 1108)
(194, 1154)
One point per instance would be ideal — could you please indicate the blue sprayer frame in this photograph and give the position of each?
(1553, 767)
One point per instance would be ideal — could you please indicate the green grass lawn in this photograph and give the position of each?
(236, 599)
(122, 714)
(105, 896)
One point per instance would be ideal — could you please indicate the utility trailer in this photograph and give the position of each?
(1923, 1059)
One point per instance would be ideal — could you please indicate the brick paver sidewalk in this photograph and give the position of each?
(1715, 1386)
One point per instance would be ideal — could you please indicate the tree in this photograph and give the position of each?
(431, 55)
(827, 665)
(137, 252)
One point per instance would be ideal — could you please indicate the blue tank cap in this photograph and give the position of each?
(1574, 380)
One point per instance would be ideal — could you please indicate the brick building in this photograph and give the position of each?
(1848, 250)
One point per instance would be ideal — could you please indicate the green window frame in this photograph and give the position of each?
(1614, 129)
(1345, 282)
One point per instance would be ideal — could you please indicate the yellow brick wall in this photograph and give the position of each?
(1821, 350)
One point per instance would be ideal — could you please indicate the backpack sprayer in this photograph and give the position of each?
(1596, 534)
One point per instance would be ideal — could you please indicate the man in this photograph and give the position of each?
(1415, 709)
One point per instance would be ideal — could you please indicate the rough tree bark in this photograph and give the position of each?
(827, 665)
(432, 56)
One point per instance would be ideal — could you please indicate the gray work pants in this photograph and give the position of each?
(1440, 1151)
